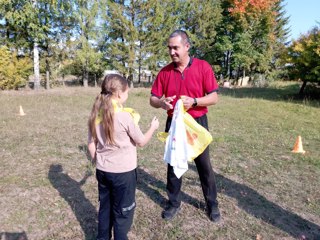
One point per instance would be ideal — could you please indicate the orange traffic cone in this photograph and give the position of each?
(298, 146)
(21, 112)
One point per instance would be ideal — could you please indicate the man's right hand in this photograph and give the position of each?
(166, 103)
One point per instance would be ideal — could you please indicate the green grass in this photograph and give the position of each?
(48, 189)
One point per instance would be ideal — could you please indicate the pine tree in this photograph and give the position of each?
(122, 36)
(88, 33)
(200, 19)
(281, 33)
(162, 18)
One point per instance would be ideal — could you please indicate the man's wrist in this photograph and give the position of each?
(195, 102)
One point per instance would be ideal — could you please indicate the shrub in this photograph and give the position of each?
(14, 71)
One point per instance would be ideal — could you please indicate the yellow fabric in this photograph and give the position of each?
(198, 137)
(162, 136)
(117, 107)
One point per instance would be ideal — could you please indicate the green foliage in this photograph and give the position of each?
(160, 19)
(41, 22)
(249, 37)
(122, 19)
(13, 71)
(304, 55)
(130, 36)
(200, 19)
(87, 56)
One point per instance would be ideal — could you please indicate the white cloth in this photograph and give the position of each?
(176, 150)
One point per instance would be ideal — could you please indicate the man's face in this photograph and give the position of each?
(178, 50)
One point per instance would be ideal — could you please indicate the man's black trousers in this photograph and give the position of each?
(206, 174)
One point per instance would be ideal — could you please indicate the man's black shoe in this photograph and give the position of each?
(170, 212)
(215, 215)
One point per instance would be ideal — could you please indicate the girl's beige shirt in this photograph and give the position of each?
(123, 156)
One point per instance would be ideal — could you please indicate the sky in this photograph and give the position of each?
(304, 14)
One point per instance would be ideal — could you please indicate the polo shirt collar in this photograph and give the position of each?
(189, 64)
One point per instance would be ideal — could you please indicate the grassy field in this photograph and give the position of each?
(48, 189)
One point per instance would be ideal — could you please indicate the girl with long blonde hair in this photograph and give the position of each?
(112, 139)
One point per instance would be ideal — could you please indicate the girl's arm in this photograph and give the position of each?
(148, 135)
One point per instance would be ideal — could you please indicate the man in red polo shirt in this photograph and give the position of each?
(194, 79)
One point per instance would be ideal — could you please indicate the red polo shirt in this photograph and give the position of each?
(195, 81)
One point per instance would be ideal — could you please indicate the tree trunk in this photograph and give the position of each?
(36, 66)
(63, 82)
(85, 79)
(85, 75)
(302, 87)
(139, 61)
(139, 74)
(129, 79)
(243, 76)
(47, 74)
(229, 65)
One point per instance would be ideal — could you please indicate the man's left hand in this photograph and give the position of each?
(187, 102)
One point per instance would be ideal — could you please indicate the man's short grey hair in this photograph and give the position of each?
(182, 34)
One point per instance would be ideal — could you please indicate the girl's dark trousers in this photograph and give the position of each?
(117, 203)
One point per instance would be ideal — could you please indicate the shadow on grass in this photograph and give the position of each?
(258, 206)
(152, 187)
(84, 149)
(70, 190)
(13, 236)
(288, 93)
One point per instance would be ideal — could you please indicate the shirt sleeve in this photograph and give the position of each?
(90, 138)
(210, 83)
(133, 129)
(157, 86)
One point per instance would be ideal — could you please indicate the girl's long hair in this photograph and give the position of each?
(111, 85)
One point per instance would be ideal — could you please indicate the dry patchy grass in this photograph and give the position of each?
(48, 189)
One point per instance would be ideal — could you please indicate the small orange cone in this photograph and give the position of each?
(21, 112)
(298, 146)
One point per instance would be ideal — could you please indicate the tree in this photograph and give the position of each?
(245, 37)
(88, 31)
(22, 27)
(304, 55)
(122, 42)
(58, 16)
(136, 34)
(200, 19)
(161, 18)
(281, 33)
(35, 26)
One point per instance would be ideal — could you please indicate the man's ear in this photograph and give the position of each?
(188, 46)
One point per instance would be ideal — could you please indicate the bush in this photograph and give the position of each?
(14, 72)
